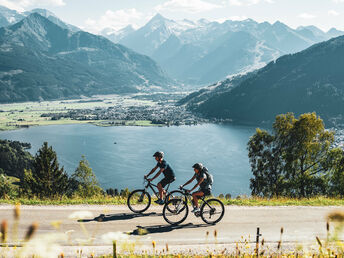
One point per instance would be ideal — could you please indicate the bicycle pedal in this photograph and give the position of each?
(197, 213)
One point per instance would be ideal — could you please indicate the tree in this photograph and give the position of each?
(293, 160)
(86, 181)
(336, 160)
(46, 179)
(14, 158)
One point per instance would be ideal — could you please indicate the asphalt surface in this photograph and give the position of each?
(78, 227)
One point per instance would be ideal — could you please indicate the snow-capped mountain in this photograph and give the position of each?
(8, 16)
(42, 60)
(116, 35)
(201, 52)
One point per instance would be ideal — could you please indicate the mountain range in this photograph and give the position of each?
(309, 81)
(203, 52)
(44, 59)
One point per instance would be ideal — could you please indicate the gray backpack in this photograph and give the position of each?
(210, 178)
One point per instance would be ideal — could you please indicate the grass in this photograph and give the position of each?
(118, 200)
(18, 115)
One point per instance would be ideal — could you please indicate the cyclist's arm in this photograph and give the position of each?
(198, 184)
(188, 182)
(152, 171)
(158, 174)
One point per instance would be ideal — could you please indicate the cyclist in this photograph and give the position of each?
(166, 170)
(203, 181)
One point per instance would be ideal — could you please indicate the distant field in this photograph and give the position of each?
(21, 115)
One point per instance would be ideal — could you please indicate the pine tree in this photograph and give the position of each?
(46, 179)
(87, 183)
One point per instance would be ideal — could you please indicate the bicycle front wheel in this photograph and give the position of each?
(176, 194)
(212, 211)
(139, 201)
(175, 211)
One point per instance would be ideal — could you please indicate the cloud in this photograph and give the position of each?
(333, 13)
(114, 19)
(189, 6)
(248, 2)
(307, 16)
(338, 1)
(22, 5)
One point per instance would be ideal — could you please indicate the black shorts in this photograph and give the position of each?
(166, 180)
(205, 191)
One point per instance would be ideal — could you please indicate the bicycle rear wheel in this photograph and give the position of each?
(175, 211)
(139, 201)
(212, 211)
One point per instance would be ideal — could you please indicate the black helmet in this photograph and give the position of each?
(198, 166)
(158, 154)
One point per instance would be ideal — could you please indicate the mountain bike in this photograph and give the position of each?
(176, 209)
(140, 200)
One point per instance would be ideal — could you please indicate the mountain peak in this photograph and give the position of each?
(158, 17)
(43, 12)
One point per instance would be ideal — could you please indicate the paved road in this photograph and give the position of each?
(300, 224)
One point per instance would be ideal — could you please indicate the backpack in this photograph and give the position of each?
(210, 178)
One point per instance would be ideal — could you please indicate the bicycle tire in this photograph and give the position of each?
(140, 207)
(219, 209)
(169, 212)
(176, 194)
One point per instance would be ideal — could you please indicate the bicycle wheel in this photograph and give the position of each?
(212, 211)
(176, 194)
(139, 201)
(175, 211)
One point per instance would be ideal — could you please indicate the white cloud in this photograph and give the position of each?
(338, 1)
(114, 19)
(307, 16)
(333, 13)
(248, 2)
(189, 6)
(22, 5)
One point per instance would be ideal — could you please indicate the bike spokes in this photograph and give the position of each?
(139, 201)
(175, 211)
(212, 211)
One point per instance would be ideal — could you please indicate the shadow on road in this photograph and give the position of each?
(166, 228)
(121, 216)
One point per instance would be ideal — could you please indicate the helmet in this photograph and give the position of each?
(198, 166)
(158, 154)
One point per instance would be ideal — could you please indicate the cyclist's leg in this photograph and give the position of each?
(161, 186)
(195, 197)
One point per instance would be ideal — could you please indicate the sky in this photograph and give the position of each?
(95, 15)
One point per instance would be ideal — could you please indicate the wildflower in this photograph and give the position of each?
(215, 233)
(80, 215)
(4, 230)
(17, 211)
(167, 247)
(319, 242)
(153, 244)
(336, 216)
(279, 245)
(282, 229)
(31, 231)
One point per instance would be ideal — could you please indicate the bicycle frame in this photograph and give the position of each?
(153, 187)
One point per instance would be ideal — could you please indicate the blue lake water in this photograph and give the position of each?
(221, 148)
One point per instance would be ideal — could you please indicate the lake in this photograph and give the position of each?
(121, 156)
